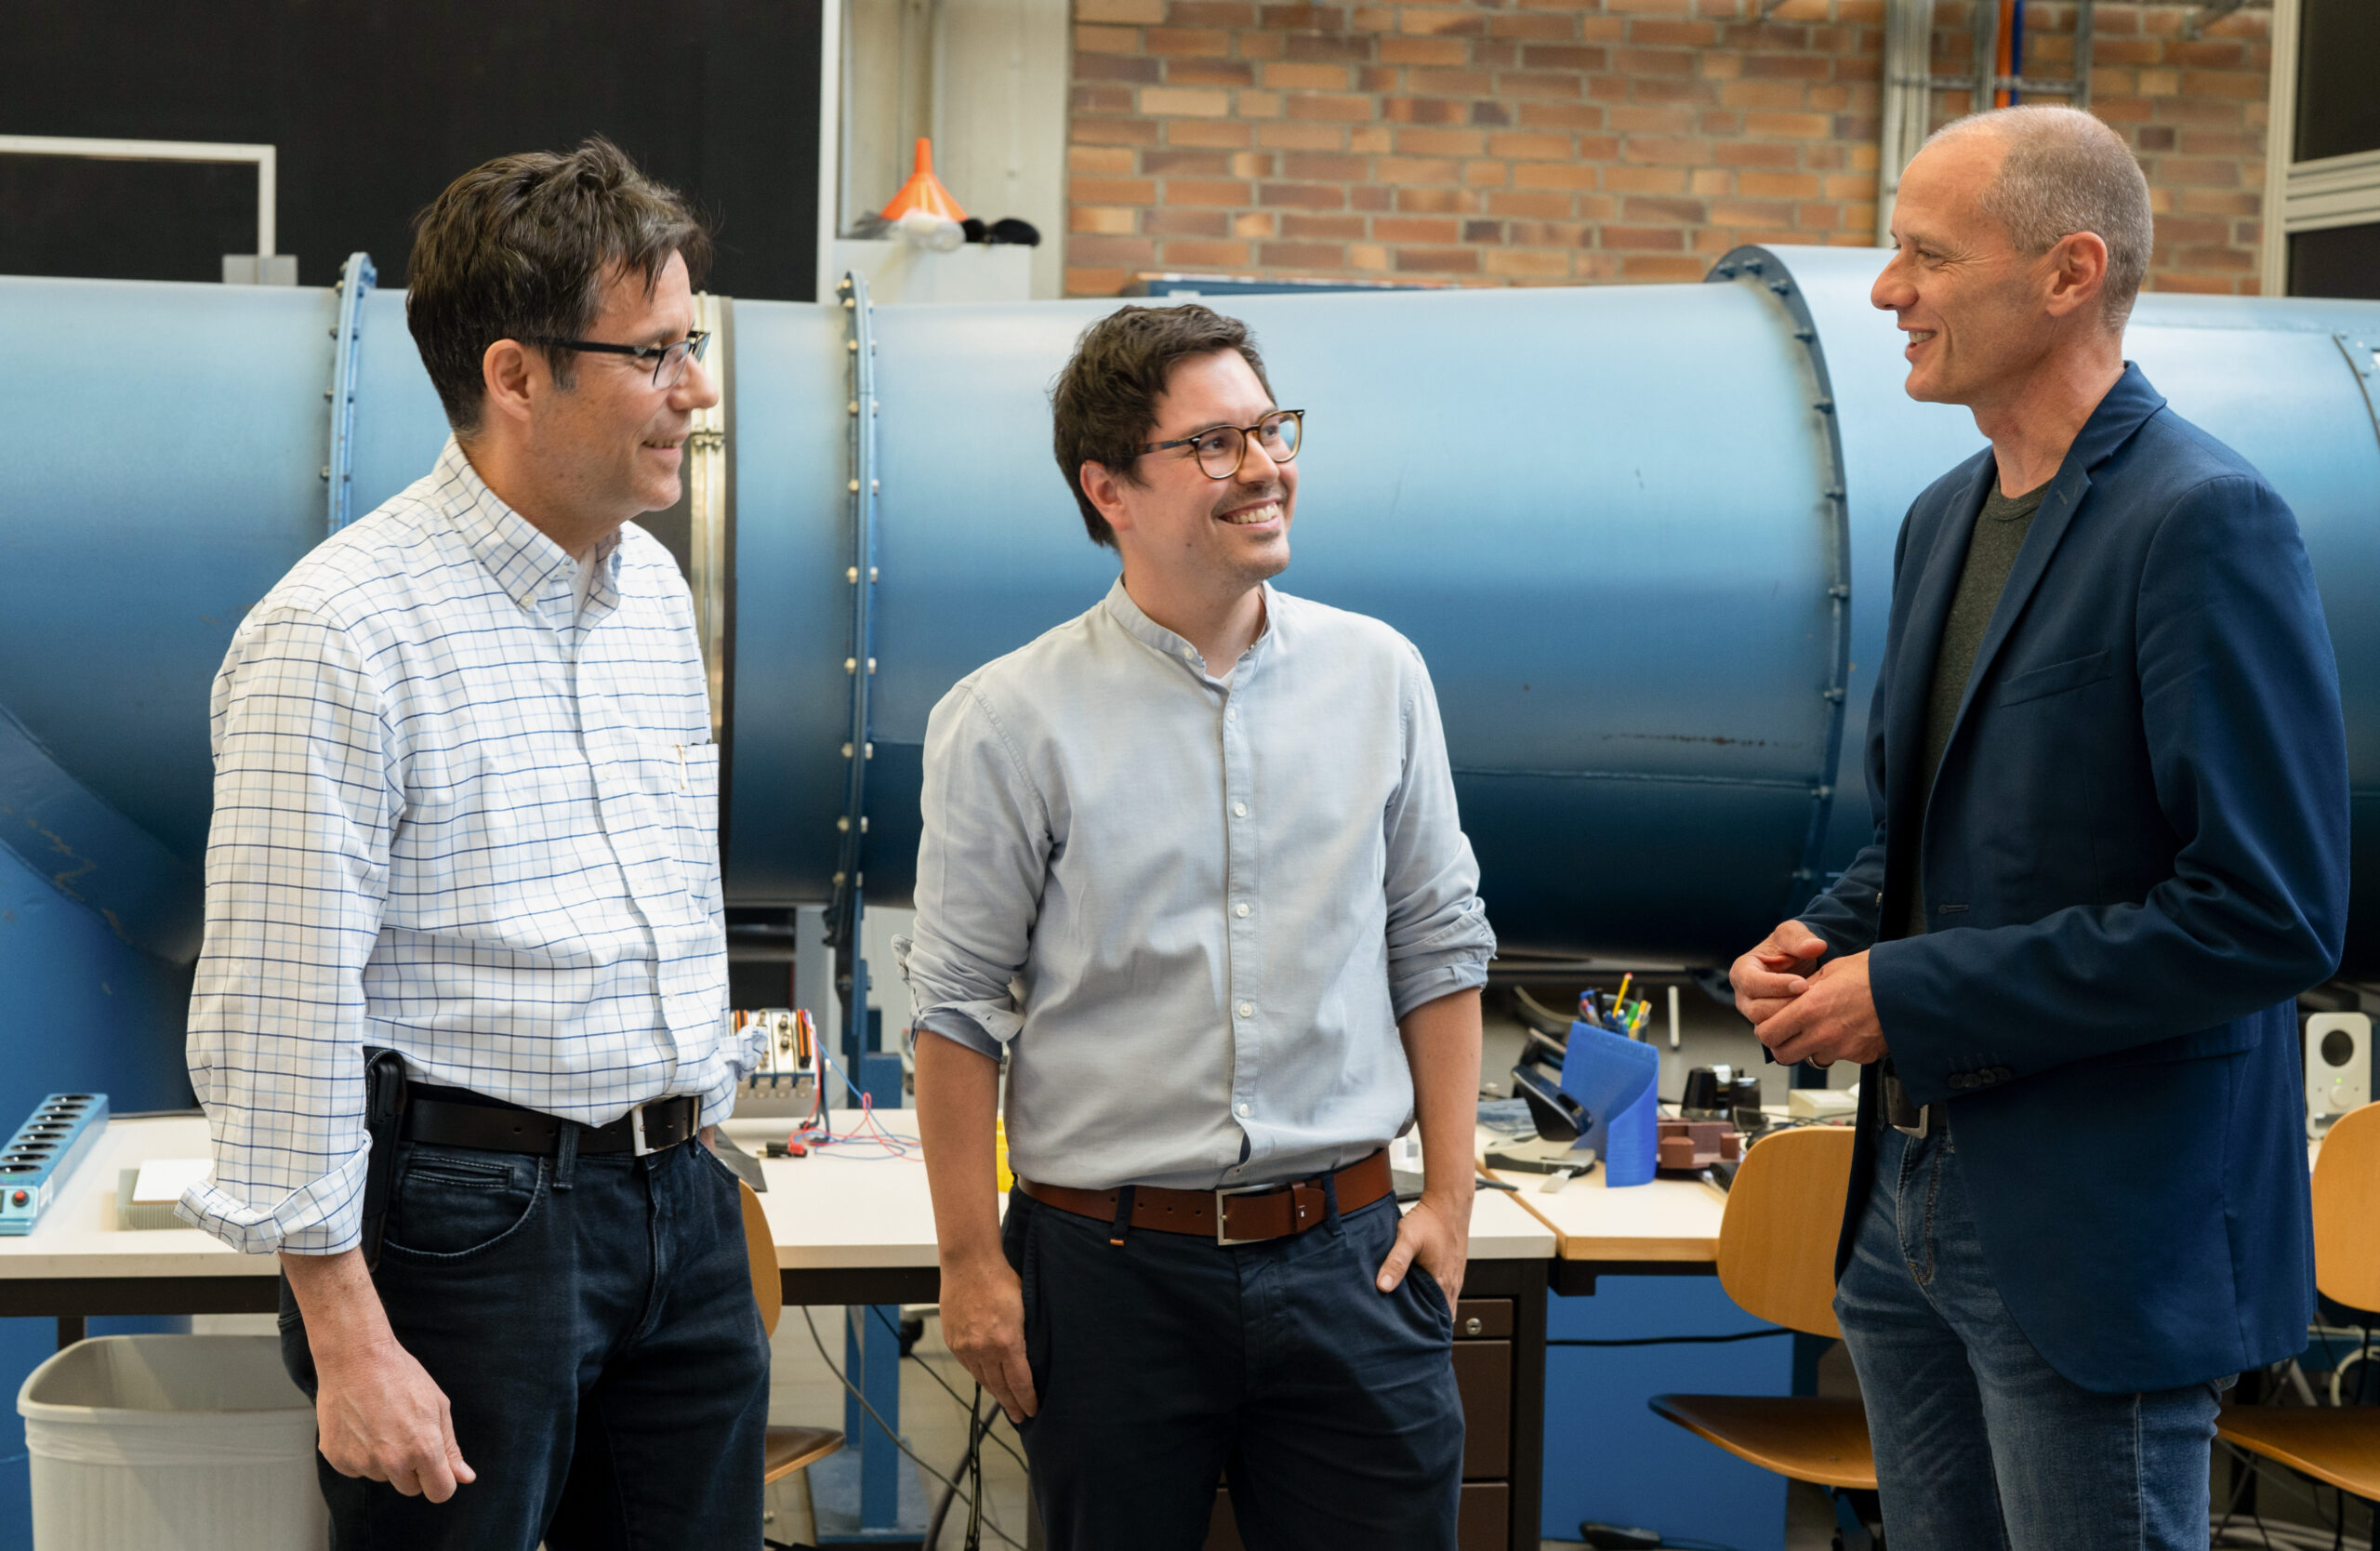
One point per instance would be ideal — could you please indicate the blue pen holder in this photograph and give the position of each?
(1617, 1079)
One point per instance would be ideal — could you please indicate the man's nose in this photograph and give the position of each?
(1891, 290)
(697, 389)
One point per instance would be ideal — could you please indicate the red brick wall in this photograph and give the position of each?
(1559, 142)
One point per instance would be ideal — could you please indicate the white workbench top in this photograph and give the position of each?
(77, 1237)
(836, 1209)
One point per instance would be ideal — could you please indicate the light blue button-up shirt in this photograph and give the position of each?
(1193, 911)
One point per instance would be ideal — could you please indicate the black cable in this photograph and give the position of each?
(1668, 1340)
(886, 1427)
(927, 1368)
(971, 1465)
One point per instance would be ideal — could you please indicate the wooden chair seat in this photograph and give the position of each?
(1803, 1438)
(792, 1449)
(785, 1449)
(2338, 1446)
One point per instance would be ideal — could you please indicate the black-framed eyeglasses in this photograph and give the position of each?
(1222, 449)
(669, 361)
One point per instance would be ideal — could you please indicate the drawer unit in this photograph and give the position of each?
(1483, 1355)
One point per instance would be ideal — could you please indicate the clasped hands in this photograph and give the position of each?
(1803, 1011)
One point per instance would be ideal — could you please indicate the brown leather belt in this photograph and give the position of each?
(1229, 1216)
(453, 1118)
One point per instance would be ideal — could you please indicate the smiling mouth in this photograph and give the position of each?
(666, 446)
(1919, 336)
(1252, 516)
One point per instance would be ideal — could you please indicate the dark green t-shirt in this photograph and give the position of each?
(1991, 554)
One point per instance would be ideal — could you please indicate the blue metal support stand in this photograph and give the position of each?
(872, 1493)
(869, 1493)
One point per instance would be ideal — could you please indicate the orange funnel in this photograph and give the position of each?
(924, 192)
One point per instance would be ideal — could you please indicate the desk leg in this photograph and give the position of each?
(70, 1329)
(1528, 1412)
(869, 1493)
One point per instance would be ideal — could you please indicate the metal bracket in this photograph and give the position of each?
(710, 515)
(355, 277)
(1754, 265)
(2363, 360)
(2207, 16)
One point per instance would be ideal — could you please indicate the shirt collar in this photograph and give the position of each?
(522, 560)
(1127, 614)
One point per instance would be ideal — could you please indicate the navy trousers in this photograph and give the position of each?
(1168, 1361)
(592, 1324)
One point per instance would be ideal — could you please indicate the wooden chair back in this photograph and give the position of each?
(2347, 1194)
(760, 1249)
(1784, 1214)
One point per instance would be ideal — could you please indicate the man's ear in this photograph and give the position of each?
(510, 376)
(2078, 274)
(1106, 492)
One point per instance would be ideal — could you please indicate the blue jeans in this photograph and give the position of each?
(593, 1327)
(1170, 1360)
(1980, 1445)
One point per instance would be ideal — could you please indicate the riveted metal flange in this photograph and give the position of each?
(860, 575)
(1768, 272)
(355, 278)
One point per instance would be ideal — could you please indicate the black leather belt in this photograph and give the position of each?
(1908, 1119)
(456, 1118)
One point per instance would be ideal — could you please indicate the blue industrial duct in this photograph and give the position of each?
(1642, 536)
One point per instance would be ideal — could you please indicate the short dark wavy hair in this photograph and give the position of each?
(1104, 404)
(518, 248)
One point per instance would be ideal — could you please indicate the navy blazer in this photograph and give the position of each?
(2134, 856)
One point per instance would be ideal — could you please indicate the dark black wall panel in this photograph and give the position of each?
(378, 105)
(2338, 111)
(2342, 261)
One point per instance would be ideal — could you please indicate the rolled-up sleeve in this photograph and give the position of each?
(1439, 941)
(297, 877)
(982, 856)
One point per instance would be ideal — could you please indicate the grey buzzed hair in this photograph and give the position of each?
(2067, 172)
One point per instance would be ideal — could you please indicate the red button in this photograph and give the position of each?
(18, 1199)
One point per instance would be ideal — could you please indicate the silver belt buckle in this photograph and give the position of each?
(1924, 1124)
(636, 1131)
(1223, 1191)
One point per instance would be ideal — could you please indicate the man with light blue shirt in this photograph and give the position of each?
(465, 799)
(1191, 863)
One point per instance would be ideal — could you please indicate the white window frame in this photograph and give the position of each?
(2304, 196)
(265, 158)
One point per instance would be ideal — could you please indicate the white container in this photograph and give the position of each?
(179, 1442)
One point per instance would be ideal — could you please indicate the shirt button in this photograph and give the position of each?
(1243, 1111)
(1247, 1009)
(1190, 652)
(1240, 909)
(1230, 714)
(1239, 809)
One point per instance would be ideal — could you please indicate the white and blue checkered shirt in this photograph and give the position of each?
(459, 817)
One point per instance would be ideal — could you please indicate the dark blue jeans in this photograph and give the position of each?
(1169, 1361)
(593, 1327)
(1982, 1445)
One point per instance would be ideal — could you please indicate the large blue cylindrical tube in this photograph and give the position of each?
(1642, 536)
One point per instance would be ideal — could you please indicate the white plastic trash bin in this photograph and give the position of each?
(179, 1442)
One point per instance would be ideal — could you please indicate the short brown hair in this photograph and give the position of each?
(1104, 404)
(518, 248)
